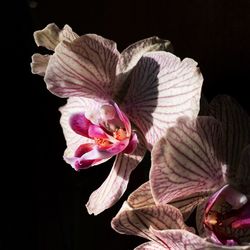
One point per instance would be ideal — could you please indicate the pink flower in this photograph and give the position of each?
(206, 161)
(110, 134)
(163, 224)
(192, 166)
(144, 89)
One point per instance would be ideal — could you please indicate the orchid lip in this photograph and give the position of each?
(110, 136)
(227, 216)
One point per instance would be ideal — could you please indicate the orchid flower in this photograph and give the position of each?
(163, 224)
(208, 159)
(119, 104)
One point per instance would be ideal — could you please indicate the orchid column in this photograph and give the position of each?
(119, 104)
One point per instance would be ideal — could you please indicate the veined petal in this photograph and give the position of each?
(150, 246)
(39, 64)
(200, 217)
(177, 239)
(141, 197)
(186, 204)
(162, 88)
(84, 67)
(51, 36)
(132, 54)
(75, 105)
(187, 159)
(67, 34)
(242, 177)
(139, 221)
(236, 125)
(116, 183)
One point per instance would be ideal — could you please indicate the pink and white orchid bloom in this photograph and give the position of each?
(163, 224)
(209, 160)
(118, 103)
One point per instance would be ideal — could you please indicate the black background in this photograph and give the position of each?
(42, 198)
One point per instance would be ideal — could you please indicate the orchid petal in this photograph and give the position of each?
(132, 144)
(75, 105)
(182, 239)
(95, 131)
(74, 161)
(84, 67)
(150, 246)
(116, 183)
(186, 204)
(104, 153)
(124, 119)
(236, 124)
(67, 34)
(162, 88)
(80, 124)
(89, 158)
(141, 197)
(200, 217)
(242, 178)
(132, 54)
(139, 221)
(39, 64)
(230, 195)
(187, 159)
(51, 36)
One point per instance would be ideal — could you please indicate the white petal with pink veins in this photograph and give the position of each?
(116, 183)
(188, 158)
(150, 246)
(141, 197)
(85, 67)
(162, 88)
(140, 221)
(182, 239)
(132, 54)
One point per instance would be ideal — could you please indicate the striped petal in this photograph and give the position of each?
(182, 239)
(187, 204)
(236, 124)
(150, 246)
(162, 88)
(187, 159)
(51, 36)
(116, 183)
(199, 218)
(139, 221)
(132, 54)
(85, 67)
(39, 64)
(141, 197)
(76, 105)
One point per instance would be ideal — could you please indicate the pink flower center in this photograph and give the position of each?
(227, 216)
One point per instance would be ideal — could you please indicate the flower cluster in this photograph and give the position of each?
(145, 98)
